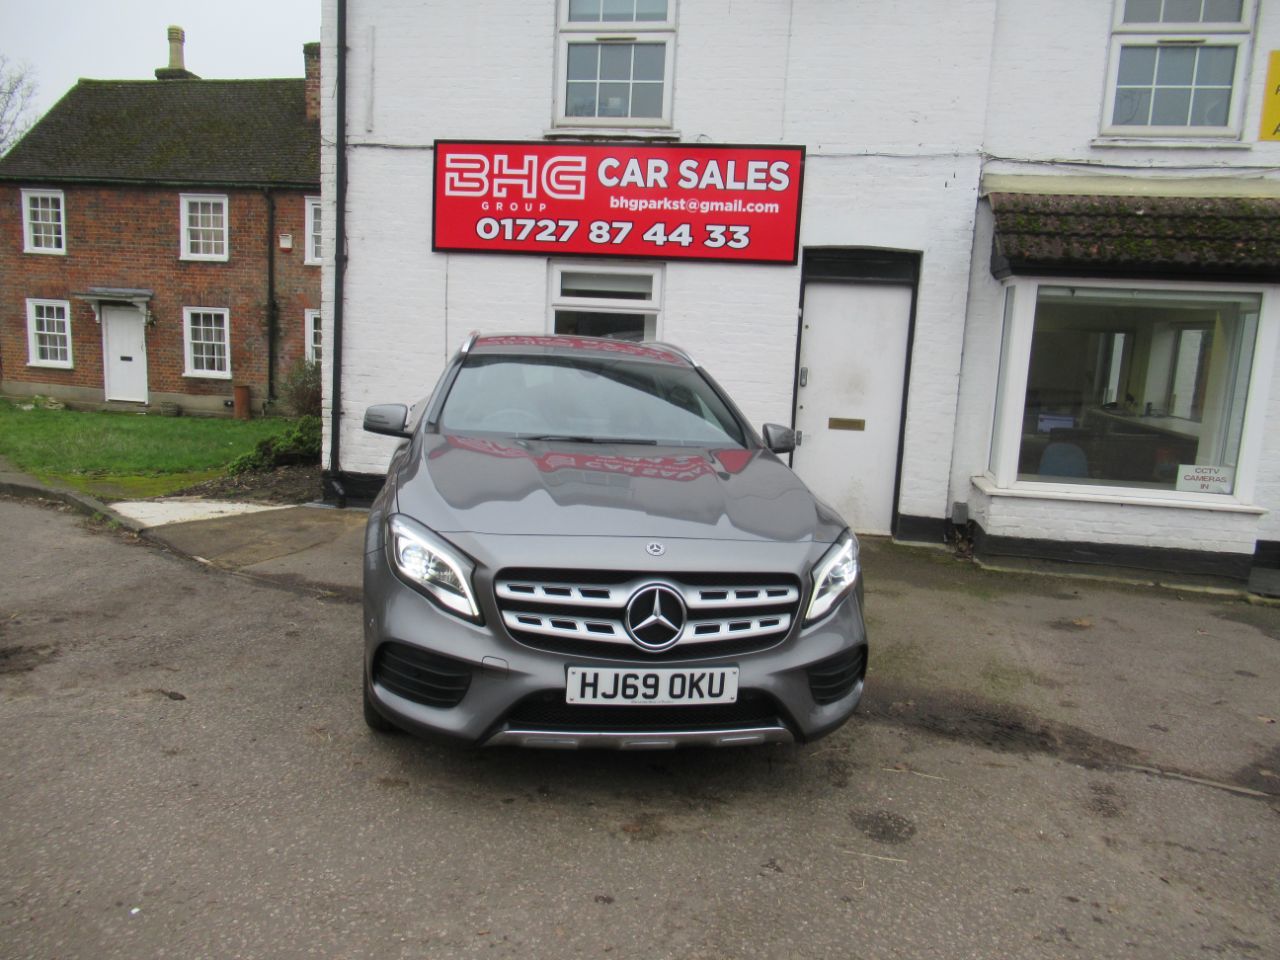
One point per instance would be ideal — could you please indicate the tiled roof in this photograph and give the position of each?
(213, 132)
(1129, 236)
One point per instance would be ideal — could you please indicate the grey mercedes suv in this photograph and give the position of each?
(582, 543)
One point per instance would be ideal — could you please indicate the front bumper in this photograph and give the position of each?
(513, 693)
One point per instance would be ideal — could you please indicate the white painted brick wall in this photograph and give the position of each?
(739, 322)
(473, 69)
(1048, 89)
(1115, 523)
(1267, 488)
(901, 107)
(983, 330)
(842, 85)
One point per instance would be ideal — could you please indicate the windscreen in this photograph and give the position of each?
(591, 399)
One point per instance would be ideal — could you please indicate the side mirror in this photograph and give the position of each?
(778, 438)
(388, 419)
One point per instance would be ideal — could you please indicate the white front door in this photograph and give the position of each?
(124, 353)
(853, 361)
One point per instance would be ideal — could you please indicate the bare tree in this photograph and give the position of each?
(17, 90)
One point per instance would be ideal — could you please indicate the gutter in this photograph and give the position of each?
(339, 257)
(42, 178)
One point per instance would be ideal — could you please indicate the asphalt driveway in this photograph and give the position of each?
(1043, 768)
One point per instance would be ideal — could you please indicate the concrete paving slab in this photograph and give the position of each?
(336, 563)
(312, 545)
(157, 513)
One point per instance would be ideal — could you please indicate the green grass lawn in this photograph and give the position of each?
(124, 455)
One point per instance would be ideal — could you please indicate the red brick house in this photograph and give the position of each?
(159, 241)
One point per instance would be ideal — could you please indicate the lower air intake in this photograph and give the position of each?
(422, 677)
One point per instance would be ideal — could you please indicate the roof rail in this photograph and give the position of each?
(471, 342)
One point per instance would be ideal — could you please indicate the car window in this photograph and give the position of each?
(588, 397)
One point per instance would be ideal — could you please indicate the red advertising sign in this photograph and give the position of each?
(670, 201)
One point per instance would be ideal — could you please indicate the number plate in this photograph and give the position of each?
(604, 685)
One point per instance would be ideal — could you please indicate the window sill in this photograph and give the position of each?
(43, 252)
(1169, 143)
(190, 375)
(49, 366)
(187, 258)
(1131, 498)
(610, 133)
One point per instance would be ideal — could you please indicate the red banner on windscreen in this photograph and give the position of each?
(671, 201)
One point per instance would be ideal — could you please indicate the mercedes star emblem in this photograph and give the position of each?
(655, 549)
(655, 617)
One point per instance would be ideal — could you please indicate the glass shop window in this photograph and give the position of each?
(1137, 388)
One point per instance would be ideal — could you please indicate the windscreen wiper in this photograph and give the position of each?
(570, 438)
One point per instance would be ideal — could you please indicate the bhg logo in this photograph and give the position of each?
(523, 177)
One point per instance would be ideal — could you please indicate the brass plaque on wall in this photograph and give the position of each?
(841, 423)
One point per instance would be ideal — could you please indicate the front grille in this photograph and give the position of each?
(582, 613)
(422, 677)
(836, 676)
(548, 711)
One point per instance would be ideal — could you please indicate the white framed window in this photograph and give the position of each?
(205, 231)
(315, 249)
(43, 222)
(615, 63)
(1142, 390)
(315, 342)
(206, 335)
(1178, 68)
(618, 302)
(49, 333)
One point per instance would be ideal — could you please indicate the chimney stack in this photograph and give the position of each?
(311, 66)
(177, 69)
(177, 37)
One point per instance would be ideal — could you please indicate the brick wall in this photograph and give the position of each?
(129, 237)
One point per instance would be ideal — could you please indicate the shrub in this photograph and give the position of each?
(298, 443)
(301, 390)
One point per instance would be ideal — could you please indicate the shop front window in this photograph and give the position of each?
(1137, 388)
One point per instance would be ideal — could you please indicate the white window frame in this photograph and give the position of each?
(312, 238)
(1170, 35)
(652, 307)
(311, 325)
(185, 200)
(28, 234)
(33, 346)
(188, 353)
(635, 32)
(1021, 299)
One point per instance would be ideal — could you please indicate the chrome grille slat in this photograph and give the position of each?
(557, 625)
(567, 594)
(706, 598)
(725, 629)
(543, 607)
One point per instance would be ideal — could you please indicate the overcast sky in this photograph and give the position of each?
(63, 40)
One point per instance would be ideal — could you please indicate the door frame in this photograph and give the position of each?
(101, 309)
(872, 266)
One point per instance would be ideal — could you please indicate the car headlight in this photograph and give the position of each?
(429, 563)
(833, 577)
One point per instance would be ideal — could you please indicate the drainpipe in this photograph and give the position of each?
(273, 309)
(339, 255)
